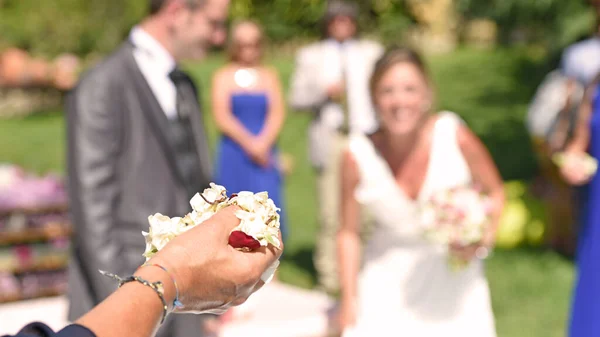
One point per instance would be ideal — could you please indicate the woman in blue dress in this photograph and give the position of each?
(249, 111)
(585, 312)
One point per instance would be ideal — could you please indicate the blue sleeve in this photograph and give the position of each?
(42, 330)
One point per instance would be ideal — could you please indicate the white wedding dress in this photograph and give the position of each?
(405, 286)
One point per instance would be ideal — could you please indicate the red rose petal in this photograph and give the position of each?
(241, 240)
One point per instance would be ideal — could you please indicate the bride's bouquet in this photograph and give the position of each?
(456, 217)
(259, 221)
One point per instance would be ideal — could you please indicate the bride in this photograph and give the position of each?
(405, 287)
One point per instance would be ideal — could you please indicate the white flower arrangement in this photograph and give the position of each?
(259, 221)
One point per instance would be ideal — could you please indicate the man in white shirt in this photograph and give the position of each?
(331, 79)
(137, 146)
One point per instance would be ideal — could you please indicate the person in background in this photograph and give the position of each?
(586, 141)
(555, 110)
(137, 146)
(249, 111)
(215, 279)
(331, 80)
(581, 63)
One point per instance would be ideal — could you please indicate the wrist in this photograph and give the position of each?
(156, 275)
(182, 273)
(262, 140)
(177, 302)
(251, 143)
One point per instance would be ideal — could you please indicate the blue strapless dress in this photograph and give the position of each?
(235, 170)
(585, 312)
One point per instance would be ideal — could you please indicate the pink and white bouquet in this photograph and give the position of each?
(259, 221)
(456, 217)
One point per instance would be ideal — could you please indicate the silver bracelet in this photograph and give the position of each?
(157, 287)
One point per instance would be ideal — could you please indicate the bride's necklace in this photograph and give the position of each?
(246, 77)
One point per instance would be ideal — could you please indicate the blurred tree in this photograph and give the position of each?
(282, 19)
(553, 23)
(55, 26)
(51, 27)
(390, 18)
(81, 26)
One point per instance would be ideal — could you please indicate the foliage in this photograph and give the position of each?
(82, 26)
(555, 23)
(282, 19)
(55, 26)
(288, 19)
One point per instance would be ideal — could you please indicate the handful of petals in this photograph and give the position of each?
(259, 221)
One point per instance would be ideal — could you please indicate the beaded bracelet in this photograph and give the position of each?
(156, 286)
(176, 303)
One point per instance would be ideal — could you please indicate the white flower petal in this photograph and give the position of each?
(148, 240)
(274, 240)
(198, 204)
(245, 215)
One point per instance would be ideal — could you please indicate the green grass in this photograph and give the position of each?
(36, 142)
(531, 292)
(490, 90)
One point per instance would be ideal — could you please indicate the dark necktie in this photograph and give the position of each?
(182, 133)
(185, 104)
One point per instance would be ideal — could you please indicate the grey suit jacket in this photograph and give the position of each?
(121, 169)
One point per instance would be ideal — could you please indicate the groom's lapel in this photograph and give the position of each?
(151, 110)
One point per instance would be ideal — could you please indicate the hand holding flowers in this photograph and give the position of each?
(258, 226)
(459, 218)
(577, 168)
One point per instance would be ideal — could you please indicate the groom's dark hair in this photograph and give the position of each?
(335, 8)
(156, 5)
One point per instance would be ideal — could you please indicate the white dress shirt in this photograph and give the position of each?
(347, 59)
(156, 63)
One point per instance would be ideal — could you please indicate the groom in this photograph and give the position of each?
(137, 146)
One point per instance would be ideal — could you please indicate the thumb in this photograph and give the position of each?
(224, 221)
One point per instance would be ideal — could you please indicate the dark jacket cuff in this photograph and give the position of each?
(42, 330)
